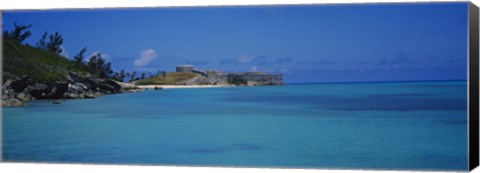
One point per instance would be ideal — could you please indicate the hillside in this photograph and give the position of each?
(30, 73)
(39, 65)
(201, 77)
(170, 78)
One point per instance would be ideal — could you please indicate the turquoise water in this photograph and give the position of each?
(417, 126)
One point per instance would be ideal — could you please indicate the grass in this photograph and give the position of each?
(38, 64)
(167, 79)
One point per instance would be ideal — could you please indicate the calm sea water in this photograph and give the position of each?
(419, 126)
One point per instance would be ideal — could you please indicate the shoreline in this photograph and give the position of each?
(181, 86)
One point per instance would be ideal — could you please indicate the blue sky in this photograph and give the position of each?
(308, 43)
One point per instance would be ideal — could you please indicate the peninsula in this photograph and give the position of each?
(43, 72)
(186, 76)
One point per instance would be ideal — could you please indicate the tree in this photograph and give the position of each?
(55, 43)
(116, 76)
(92, 64)
(42, 44)
(106, 71)
(78, 58)
(119, 76)
(132, 77)
(99, 67)
(122, 75)
(142, 76)
(128, 75)
(20, 32)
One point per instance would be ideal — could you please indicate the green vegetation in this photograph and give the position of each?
(99, 66)
(167, 78)
(38, 64)
(20, 33)
(78, 58)
(120, 76)
(53, 45)
(44, 63)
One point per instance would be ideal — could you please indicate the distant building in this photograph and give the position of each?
(184, 68)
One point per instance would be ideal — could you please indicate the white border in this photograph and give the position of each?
(76, 4)
(62, 4)
(75, 168)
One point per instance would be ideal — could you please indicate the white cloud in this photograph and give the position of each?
(146, 57)
(246, 58)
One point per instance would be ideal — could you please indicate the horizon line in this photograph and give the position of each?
(393, 81)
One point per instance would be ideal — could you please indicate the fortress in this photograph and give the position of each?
(184, 68)
(205, 77)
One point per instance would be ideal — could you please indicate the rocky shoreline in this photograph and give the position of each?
(18, 90)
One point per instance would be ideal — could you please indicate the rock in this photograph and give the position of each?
(4, 96)
(128, 87)
(13, 102)
(16, 91)
(7, 91)
(20, 84)
(57, 90)
(73, 77)
(76, 90)
(71, 96)
(90, 95)
(37, 90)
(77, 87)
(24, 96)
(57, 102)
(109, 86)
(158, 88)
(114, 84)
(102, 85)
(52, 91)
(90, 82)
(17, 84)
(7, 86)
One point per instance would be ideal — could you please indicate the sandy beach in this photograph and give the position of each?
(181, 86)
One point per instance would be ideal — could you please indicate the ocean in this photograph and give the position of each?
(394, 125)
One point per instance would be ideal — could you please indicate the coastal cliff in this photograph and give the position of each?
(30, 73)
(237, 79)
(17, 91)
(187, 75)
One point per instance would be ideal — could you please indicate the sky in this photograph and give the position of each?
(305, 43)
